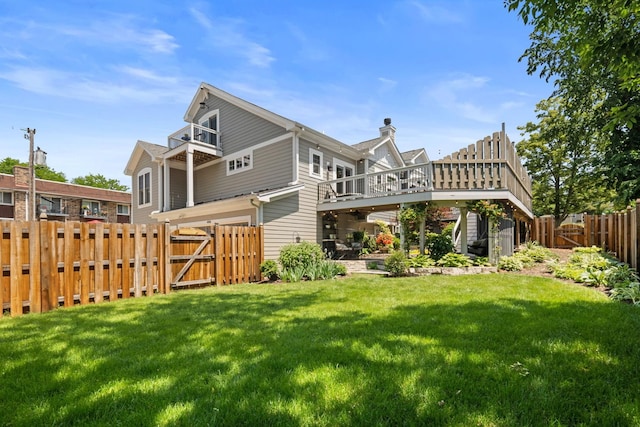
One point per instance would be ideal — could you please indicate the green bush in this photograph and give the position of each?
(421, 261)
(482, 261)
(372, 265)
(454, 260)
(438, 245)
(295, 255)
(622, 275)
(294, 274)
(567, 271)
(537, 253)
(396, 263)
(630, 292)
(510, 263)
(269, 269)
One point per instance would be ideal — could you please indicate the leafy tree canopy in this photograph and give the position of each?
(564, 154)
(591, 50)
(100, 181)
(42, 172)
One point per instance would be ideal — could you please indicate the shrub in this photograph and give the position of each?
(372, 265)
(630, 292)
(567, 271)
(537, 253)
(303, 254)
(438, 245)
(293, 275)
(510, 263)
(482, 261)
(269, 269)
(396, 263)
(454, 260)
(622, 275)
(384, 239)
(421, 261)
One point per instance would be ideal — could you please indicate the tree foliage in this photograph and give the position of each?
(42, 172)
(100, 181)
(591, 50)
(563, 153)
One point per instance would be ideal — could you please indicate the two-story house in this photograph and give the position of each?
(61, 201)
(237, 163)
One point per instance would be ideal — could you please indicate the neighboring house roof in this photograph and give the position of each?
(412, 156)
(65, 189)
(155, 151)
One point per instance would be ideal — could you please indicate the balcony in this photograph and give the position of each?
(196, 134)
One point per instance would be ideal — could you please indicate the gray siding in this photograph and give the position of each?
(219, 216)
(141, 215)
(284, 221)
(240, 129)
(272, 168)
(178, 188)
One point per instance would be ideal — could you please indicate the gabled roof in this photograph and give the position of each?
(411, 156)
(369, 146)
(206, 89)
(154, 150)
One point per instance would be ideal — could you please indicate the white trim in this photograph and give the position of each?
(246, 162)
(337, 162)
(295, 173)
(270, 196)
(144, 171)
(313, 151)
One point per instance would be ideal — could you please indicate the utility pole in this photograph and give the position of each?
(32, 176)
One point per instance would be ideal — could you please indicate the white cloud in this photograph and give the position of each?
(123, 31)
(63, 84)
(386, 84)
(227, 34)
(455, 95)
(147, 75)
(433, 13)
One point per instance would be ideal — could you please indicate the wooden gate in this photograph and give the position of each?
(218, 255)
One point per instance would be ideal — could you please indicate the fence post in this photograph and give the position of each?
(636, 232)
(16, 268)
(35, 285)
(45, 265)
(167, 257)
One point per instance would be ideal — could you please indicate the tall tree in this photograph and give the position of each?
(587, 47)
(42, 172)
(562, 153)
(100, 181)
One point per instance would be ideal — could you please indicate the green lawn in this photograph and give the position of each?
(497, 350)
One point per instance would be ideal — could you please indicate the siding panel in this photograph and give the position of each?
(240, 129)
(141, 215)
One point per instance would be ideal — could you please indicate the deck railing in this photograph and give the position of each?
(489, 164)
(377, 184)
(197, 134)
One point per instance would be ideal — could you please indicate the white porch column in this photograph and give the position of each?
(463, 230)
(166, 206)
(189, 177)
(366, 178)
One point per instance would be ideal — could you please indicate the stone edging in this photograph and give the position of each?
(452, 271)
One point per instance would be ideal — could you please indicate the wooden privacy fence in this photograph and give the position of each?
(49, 264)
(617, 233)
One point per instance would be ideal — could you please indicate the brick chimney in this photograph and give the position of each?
(21, 176)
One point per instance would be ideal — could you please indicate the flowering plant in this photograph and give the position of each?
(384, 239)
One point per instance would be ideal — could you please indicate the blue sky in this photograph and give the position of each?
(93, 77)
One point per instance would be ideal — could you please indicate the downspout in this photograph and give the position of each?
(295, 173)
(259, 212)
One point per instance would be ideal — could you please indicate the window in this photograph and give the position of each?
(315, 163)
(90, 207)
(6, 198)
(123, 209)
(240, 162)
(210, 121)
(144, 187)
(50, 204)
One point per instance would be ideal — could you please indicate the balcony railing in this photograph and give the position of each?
(195, 133)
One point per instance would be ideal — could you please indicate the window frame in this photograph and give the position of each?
(124, 206)
(92, 210)
(2, 202)
(239, 162)
(319, 153)
(144, 192)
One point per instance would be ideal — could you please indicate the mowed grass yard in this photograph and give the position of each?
(496, 350)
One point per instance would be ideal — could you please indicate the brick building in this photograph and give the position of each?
(61, 201)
